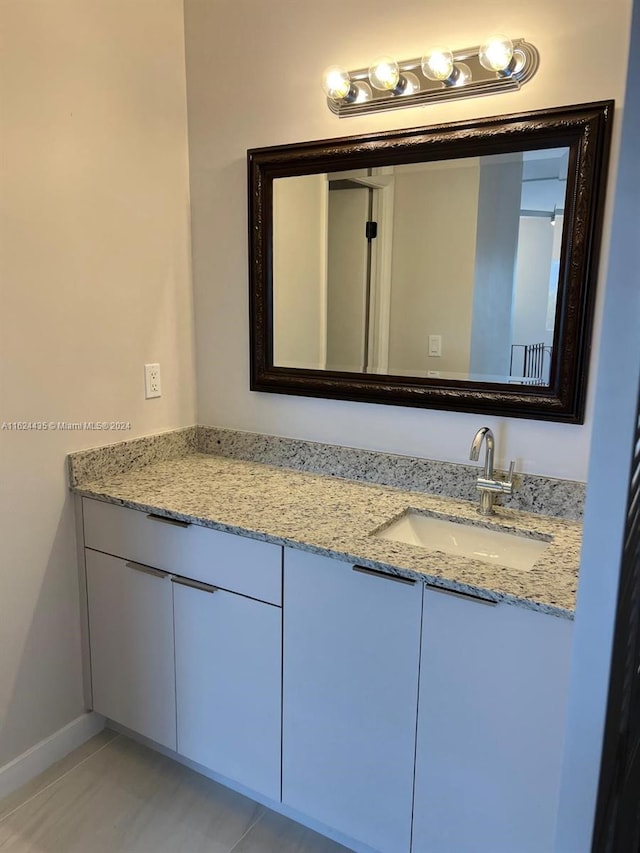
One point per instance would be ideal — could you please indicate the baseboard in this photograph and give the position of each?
(40, 757)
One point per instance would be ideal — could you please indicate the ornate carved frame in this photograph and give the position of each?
(585, 129)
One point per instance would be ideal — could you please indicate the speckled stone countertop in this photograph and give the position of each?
(337, 517)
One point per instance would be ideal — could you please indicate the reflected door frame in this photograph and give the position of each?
(379, 294)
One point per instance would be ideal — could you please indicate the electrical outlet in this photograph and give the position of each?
(152, 387)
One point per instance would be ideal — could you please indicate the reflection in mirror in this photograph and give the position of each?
(445, 269)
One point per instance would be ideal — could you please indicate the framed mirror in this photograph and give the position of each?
(449, 267)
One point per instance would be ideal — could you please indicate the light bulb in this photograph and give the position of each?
(437, 63)
(384, 73)
(496, 53)
(336, 83)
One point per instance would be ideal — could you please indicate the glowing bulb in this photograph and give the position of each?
(437, 63)
(384, 74)
(496, 53)
(336, 83)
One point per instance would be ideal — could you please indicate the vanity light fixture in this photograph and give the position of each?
(499, 64)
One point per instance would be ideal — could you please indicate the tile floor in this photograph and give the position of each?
(113, 795)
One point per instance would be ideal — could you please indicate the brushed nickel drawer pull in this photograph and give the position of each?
(176, 522)
(380, 574)
(203, 587)
(147, 570)
(468, 595)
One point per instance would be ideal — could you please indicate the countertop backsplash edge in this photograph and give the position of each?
(532, 493)
(111, 460)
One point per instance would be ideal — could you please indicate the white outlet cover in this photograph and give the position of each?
(435, 345)
(152, 384)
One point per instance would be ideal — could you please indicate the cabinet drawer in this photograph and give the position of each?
(236, 563)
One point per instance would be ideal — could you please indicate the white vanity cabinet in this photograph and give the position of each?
(404, 718)
(131, 623)
(185, 628)
(350, 669)
(493, 687)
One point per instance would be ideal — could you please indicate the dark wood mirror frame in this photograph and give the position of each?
(585, 129)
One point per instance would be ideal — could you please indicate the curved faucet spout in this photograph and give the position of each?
(484, 433)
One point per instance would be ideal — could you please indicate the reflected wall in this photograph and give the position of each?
(445, 269)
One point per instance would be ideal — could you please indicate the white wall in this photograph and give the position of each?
(536, 242)
(95, 281)
(299, 271)
(496, 250)
(288, 44)
(348, 211)
(435, 213)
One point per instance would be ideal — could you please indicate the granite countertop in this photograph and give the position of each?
(337, 517)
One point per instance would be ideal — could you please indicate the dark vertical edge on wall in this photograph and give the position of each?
(260, 197)
(558, 368)
(599, 138)
(253, 225)
(578, 275)
(617, 823)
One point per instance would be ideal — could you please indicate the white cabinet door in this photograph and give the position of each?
(131, 631)
(493, 687)
(351, 655)
(228, 684)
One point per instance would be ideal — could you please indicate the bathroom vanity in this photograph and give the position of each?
(250, 620)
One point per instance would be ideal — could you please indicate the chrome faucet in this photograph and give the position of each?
(488, 486)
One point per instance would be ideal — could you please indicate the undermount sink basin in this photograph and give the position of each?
(465, 540)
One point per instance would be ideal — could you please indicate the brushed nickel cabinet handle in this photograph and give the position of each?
(147, 570)
(174, 521)
(380, 574)
(470, 596)
(203, 587)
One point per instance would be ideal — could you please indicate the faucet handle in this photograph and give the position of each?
(504, 487)
(507, 485)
